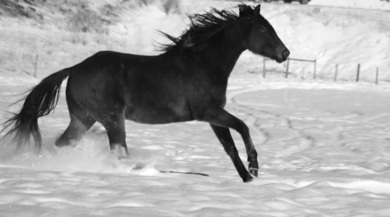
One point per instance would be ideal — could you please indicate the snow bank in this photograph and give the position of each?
(366, 4)
(333, 37)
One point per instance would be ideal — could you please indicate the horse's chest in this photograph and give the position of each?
(219, 96)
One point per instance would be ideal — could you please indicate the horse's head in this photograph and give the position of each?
(261, 37)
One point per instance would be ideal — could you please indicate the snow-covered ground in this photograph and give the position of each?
(324, 147)
(324, 150)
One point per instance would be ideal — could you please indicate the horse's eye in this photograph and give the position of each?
(263, 29)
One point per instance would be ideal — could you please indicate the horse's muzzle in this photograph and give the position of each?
(284, 55)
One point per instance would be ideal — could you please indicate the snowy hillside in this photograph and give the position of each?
(324, 146)
(331, 36)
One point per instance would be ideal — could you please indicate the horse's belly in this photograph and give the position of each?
(158, 116)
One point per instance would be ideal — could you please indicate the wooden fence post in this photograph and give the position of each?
(377, 76)
(302, 60)
(36, 66)
(336, 72)
(288, 63)
(358, 73)
(264, 67)
(21, 62)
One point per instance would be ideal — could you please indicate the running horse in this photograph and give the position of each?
(186, 82)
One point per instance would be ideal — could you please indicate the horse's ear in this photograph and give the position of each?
(244, 10)
(257, 9)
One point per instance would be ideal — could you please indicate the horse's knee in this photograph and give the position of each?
(243, 129)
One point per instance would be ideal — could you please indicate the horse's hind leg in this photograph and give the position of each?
(79, 124)
(115, 127)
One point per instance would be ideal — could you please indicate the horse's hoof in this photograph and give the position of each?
(254, 171)
(120, 152)
(123, 157)
(249, 179)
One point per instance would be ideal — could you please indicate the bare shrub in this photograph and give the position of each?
(109, 10)
(145, 2)
(171, 6)
(87, 20)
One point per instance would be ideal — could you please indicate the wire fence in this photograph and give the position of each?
(375, 75)
(19, 62)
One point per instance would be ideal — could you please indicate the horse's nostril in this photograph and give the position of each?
(286, 53)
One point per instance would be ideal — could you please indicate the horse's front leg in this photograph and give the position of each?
(220, 117)
(226, 140)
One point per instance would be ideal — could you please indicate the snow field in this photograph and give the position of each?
(323, 150)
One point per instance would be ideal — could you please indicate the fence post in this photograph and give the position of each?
(315, 69)
(21, 63)
(264, 67)
(377, 76)
(36, 66)
(288, 63)
(336, 72)
(358, 73)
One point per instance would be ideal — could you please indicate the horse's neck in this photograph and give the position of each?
(223, 54)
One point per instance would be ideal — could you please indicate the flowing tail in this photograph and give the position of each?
(42, 99)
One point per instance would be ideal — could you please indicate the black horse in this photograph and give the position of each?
(186, 82)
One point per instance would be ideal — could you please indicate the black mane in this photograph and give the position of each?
(203, 27)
